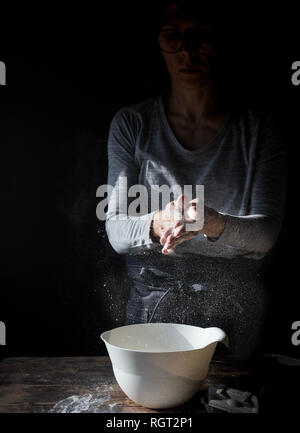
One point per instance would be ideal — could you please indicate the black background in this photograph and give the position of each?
(61, 282)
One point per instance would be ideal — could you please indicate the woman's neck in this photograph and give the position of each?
(191, 104)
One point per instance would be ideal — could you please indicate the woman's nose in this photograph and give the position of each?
(192, 54)
(189, 48)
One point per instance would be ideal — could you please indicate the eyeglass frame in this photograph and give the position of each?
(183, 41)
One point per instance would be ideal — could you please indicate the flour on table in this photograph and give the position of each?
(83, 403)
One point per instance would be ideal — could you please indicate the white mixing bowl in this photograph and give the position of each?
(161, 365)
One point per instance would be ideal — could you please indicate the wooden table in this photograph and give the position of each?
(82, 384)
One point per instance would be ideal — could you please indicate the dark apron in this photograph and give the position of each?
(200, 291)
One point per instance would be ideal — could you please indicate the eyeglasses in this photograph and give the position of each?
(197, 41)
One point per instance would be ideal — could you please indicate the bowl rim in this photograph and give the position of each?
(225, 339)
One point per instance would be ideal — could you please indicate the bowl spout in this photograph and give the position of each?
(216, 335)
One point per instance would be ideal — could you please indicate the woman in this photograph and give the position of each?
(209, 276)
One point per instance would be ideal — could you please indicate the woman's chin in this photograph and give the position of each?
(199, 78)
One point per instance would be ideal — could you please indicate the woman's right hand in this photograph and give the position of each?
(167, 219)
(171, 220)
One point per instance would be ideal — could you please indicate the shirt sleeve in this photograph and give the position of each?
(257, 232)
(126, 233)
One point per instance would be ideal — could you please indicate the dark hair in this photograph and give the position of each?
(185, 9)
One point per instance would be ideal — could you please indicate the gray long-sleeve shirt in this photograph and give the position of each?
(243, 170)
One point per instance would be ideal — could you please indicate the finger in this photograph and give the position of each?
(178, 223)
(179, 203)
(198, 208)
(168, 245)
(192, 212)
(166, 252)
(169, 242)
(176, 233)
(165, 236)
(172, 242)
(179, 231)
(182, 237)
(169, 210)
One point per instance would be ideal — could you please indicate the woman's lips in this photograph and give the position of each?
(190, 70)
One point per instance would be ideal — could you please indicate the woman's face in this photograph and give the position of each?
(192, 63)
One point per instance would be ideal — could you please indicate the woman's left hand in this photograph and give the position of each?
(213, 226)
